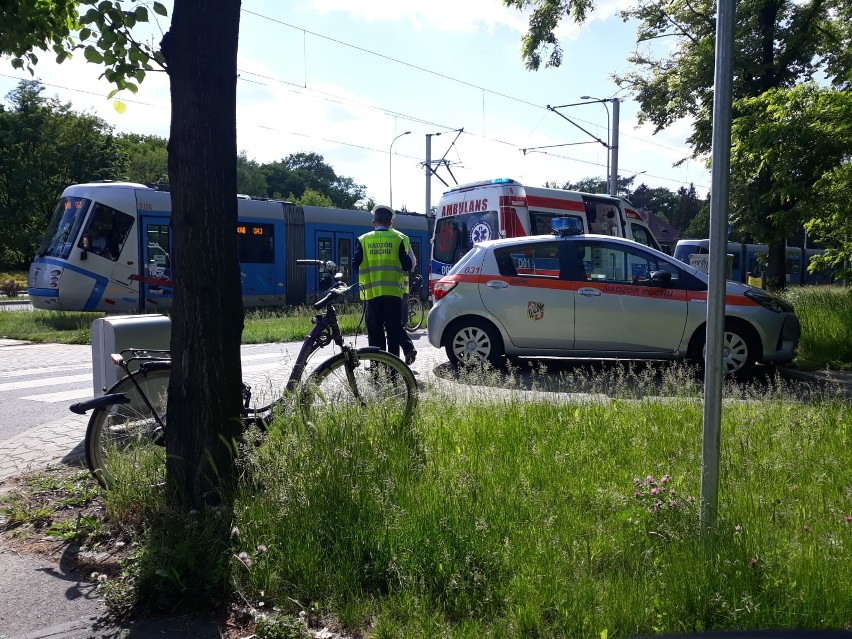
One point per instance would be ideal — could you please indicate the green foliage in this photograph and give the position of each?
(699, 227)
(146, 158)
(313, 198)
(29, 25)
(251, 177)
(540, 42)
(298, 172)
(275, 625)
(41, 500)
(505, 517)
(785, 141)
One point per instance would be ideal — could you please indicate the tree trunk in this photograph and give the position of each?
(777, 265)
(204, 404)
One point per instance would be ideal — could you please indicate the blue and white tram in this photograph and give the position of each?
(747, 260)
(108, 246)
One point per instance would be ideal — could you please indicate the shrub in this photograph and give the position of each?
(11, 287)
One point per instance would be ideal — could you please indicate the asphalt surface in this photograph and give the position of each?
(42, 598)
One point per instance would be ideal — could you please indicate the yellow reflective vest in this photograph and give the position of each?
(380, 272)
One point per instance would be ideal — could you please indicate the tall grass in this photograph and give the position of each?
(499, 517)
(826, 316)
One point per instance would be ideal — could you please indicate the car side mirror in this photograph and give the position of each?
(661, 278)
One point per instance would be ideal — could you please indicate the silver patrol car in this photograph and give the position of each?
(597, 296)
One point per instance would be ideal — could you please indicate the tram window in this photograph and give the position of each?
(106, 231)
(256, 243)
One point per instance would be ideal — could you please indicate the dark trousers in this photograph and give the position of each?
(383, 319)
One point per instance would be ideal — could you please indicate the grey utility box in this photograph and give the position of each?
(114, 334)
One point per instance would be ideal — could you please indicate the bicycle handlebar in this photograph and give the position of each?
(333, 292)
(328, 265)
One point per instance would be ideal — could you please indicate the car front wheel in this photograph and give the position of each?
(738, 353)
(473, 340)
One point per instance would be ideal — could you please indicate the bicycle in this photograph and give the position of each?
(414, 308)
(125, 433)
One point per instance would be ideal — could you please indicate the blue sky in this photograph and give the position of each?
(343, 78)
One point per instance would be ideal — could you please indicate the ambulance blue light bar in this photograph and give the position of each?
(501, 181)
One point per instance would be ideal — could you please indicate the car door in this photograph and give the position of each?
(526, 292)
(618, 307)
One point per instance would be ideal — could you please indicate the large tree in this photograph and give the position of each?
(199, 53)
(778, 44)
(146, 158)
(298, 172)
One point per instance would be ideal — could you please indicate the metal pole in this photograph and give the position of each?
(613, 179)
(390, 168)
(428, 165)
(608, 134)
(720, 185)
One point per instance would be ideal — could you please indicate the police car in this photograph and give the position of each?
(597, 296)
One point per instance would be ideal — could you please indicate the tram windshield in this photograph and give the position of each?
(64, 226)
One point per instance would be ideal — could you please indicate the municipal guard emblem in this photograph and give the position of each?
(535, 310)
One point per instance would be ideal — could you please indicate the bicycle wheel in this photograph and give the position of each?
(415, 314)
(372, 381)
(124, 441)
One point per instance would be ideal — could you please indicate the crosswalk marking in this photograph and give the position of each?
(45, 381)
(254, 374)
(24, 372)
(62, 396)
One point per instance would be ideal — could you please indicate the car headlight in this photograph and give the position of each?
(769, 301)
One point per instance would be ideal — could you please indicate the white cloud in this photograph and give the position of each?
(441, 15)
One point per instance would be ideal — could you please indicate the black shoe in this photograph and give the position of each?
(410, 356)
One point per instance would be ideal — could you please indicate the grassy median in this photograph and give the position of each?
(500, 514)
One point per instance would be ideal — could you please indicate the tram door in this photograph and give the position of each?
(337, 247)
(155, 260)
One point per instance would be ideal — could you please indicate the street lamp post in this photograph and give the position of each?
(612, 160)
(390, 168)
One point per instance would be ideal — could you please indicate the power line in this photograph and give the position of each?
(339, 99)
(429, 71)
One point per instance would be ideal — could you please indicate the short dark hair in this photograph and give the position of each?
(383, 214)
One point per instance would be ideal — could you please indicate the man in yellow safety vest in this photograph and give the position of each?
(382, 258)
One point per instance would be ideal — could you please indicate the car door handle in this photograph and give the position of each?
(588, 292)
(497, 284)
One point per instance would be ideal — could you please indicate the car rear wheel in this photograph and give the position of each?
(739, 352)
(473, 340)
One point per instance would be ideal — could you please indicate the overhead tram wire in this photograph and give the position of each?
(430, 72)
(414, 119)
(349, 144)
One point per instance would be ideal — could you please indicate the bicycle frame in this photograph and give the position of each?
(150, 360)
(325, 331)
